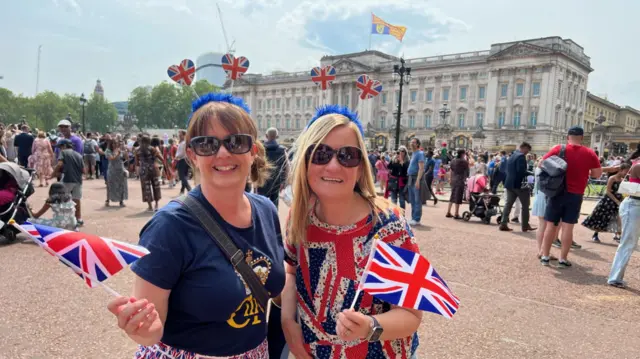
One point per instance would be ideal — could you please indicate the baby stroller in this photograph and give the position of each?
(17, 209)
(483, 206)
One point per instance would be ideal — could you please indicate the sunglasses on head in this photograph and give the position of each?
(210, 145)
(348, 156)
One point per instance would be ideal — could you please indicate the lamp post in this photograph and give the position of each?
(403, 75)
(83, 101)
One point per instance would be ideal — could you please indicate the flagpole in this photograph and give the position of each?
(65, 261)
(355, 299)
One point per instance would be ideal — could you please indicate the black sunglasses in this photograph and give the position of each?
(210, 145)
(348, 156)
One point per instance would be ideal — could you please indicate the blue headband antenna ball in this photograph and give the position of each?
(340, 110)
(217, 97)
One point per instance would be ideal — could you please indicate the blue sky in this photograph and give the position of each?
(129, 43)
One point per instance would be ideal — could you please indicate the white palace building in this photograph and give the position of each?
(530, 90)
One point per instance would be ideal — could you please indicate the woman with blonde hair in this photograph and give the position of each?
(335, 218)
(190, 296)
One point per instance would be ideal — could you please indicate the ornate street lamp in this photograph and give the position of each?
(443, 130)
(83, 102)
(403, 75)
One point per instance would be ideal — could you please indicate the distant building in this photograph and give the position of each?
(99, 90)
(529, 90)
(610, 128)
(208, 68)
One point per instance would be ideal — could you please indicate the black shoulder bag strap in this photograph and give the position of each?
(562, 150)
(231, 251)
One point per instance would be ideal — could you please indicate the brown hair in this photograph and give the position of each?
(235, 120)
(41, 134)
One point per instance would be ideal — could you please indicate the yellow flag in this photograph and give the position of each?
(381, 27)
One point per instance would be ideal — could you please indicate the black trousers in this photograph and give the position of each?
(183, 173)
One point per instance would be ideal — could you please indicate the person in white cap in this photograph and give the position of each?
(64, 126)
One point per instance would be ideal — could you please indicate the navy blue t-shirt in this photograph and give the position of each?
(211, 311)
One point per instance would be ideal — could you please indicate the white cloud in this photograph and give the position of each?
(69, 5)
(295, 20)
(175, 5)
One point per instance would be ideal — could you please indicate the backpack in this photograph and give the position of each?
(553, 173)
(88, 147)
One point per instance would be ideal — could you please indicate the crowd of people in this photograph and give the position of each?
(402, 175)
(70, 158)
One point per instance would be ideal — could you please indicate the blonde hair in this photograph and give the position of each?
(41, 134)
(300, 205)
(237, 121)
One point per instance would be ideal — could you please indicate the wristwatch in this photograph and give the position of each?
(376, 330)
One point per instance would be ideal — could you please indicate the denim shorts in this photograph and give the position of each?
(565, 208)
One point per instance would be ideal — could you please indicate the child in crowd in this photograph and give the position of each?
(63, 208)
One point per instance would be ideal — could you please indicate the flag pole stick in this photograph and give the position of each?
(355, 299)
(65, 261)
(231, 88)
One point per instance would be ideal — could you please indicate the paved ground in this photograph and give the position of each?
(512, 307)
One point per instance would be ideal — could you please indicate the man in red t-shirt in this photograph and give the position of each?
(582, 163)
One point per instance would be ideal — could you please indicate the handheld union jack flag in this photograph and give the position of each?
(368, 87)
(407, 279)
(323, 76)
(234, 67)
(183, 73)
(91, 257)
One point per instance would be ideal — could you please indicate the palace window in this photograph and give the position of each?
(383, 122)
(503, 90)
(519, 90)
(481, 92)
(412, 121)
(346, 101)
(500, 119)
(445, 94)
(396, 98)
(278, 103)
(268, 122)
(384, 98)
(268, 104)
(260, 104)
(536, 89)
(298, 103)
(427, 121)
(479, 119)
(463, 93)
(516, 119)
(288, 123)
(298, 123)
(461, 120)
(429, 95)
(287, 102)
(414, 96)
(309, 101)
(533, 120)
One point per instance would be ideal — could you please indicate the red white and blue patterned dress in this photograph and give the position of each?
(328, 269)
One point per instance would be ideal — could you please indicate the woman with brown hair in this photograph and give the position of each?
(117, 188)
(188, 298)
(148, 171)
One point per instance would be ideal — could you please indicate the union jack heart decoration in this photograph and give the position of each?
(323, 76)
(368, 87)
(234, 66)
(183, 73)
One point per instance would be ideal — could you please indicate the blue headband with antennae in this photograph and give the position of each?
(217, 97)
(340, 110)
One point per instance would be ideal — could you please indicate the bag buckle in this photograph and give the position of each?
(237, 258)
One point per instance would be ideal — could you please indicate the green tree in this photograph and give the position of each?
(140, 106)
(48, 110)
(100, 114)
